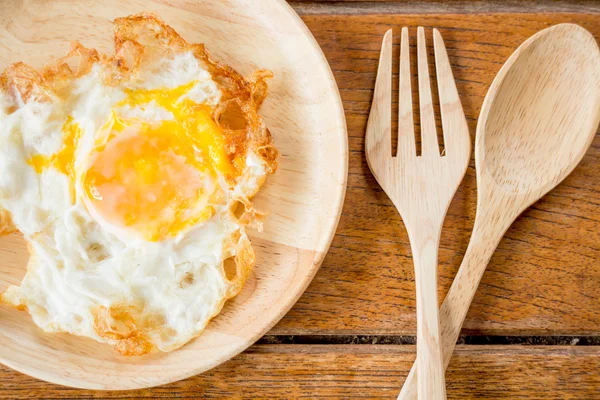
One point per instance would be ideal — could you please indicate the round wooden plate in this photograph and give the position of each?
(304, 198)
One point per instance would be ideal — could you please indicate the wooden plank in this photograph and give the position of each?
(545, 275)
(442, 6)
(361, 371)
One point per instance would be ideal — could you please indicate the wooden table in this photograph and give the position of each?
(534, 326)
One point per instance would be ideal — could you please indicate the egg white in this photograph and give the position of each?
(79, 261)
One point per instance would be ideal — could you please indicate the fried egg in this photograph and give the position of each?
(130, 177)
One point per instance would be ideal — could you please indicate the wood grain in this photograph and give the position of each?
(361, 371)
(544, 278)
(443, 6)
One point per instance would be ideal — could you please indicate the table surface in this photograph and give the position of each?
(534, 326)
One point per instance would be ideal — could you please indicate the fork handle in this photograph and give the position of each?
(424, 247)
(485, 238)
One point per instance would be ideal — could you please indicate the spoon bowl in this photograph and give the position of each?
(540, 113)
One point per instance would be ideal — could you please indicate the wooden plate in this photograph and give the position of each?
(304, 197)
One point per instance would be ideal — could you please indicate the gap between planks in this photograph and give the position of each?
(411, 340)
(308, 7)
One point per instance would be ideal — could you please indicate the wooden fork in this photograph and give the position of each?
(420, 186)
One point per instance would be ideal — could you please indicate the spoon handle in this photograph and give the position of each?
(486, 236)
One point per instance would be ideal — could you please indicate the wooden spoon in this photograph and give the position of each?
(536, 123)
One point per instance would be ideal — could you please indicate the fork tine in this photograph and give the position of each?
(379, 126)
(454, 123)
(406, 128)
(429, 141)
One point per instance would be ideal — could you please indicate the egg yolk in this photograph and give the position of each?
(160, 178)
(64, 160)
(194, 121)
